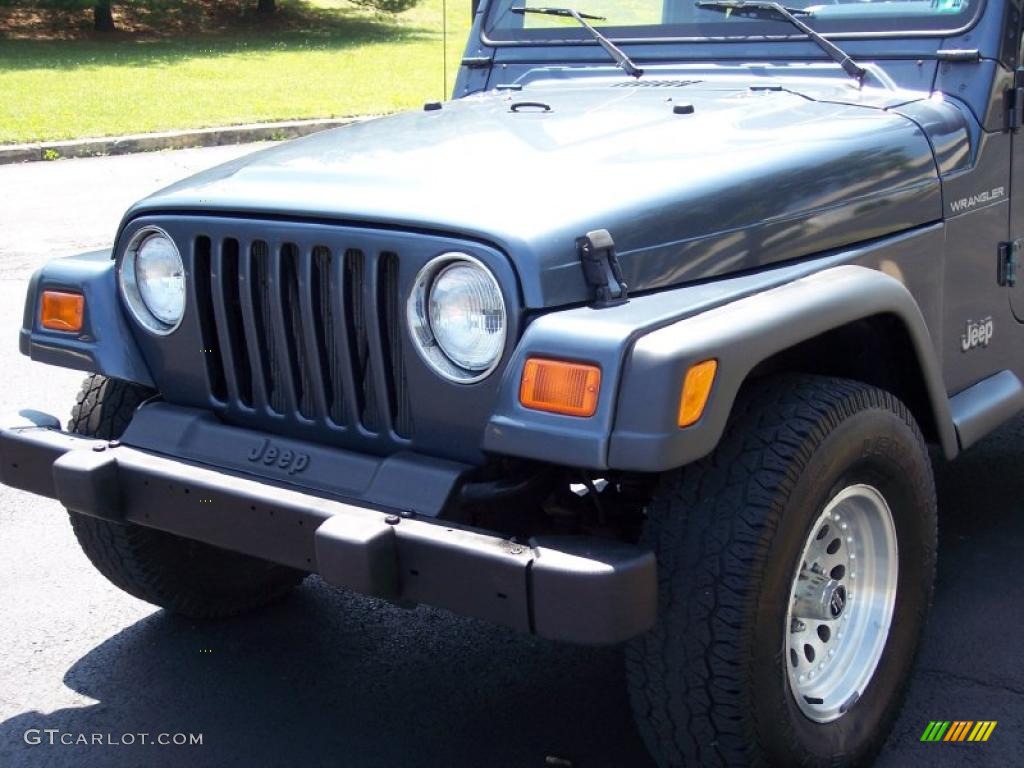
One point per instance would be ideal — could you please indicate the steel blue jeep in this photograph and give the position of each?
(643, 338)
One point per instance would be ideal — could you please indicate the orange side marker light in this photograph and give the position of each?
(62, 311)
(696, 389)
(556, 386)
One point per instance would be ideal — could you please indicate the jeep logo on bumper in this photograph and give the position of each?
(270, 455)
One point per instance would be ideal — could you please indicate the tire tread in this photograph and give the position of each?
(707, 525)
(152, 565)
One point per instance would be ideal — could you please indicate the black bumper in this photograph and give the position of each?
(565, 588)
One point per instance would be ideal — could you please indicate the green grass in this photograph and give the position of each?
(338, 61)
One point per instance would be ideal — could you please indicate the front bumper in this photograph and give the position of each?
(574, 589)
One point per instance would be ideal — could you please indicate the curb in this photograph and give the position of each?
(151, 142)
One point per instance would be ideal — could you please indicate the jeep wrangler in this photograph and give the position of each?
(642, 338)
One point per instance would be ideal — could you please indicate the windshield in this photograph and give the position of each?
(675, 19)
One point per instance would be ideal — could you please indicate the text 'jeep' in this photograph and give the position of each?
(641, 338)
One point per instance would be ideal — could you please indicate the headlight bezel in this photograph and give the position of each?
(421, 332)
(128, 283)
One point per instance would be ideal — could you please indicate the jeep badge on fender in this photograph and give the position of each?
(977, 334)
(643, 338)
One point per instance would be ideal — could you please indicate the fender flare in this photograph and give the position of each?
(105, 344)
(741, 335)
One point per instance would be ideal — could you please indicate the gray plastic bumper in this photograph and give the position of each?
(573, 589)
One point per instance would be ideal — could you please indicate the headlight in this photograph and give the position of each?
(457, 316)
(152, 279)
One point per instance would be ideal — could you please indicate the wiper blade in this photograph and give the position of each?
(758, 7)
(613, 50)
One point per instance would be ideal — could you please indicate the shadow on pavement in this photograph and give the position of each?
(968, 665)
(329, 678)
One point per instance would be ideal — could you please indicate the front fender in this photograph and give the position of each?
(105, 344)
(645, 347)
(740, 335)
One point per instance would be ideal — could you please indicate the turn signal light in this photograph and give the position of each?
(559, 387)
(696, 389)
(62, 311)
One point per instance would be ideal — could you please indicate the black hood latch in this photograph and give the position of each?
(601, 268)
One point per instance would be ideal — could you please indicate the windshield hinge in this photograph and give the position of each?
(1015, 102)
(1009, 259)
(601, 268)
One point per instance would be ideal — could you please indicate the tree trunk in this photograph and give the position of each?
(103, 19)
(266, 7)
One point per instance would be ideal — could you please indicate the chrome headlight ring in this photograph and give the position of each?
(464, 280)
(155, 294)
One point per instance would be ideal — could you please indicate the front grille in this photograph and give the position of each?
(312, 334)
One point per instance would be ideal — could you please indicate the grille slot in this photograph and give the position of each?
(355, 294)
(207, 321)
(298, 366)
(391, 337)
(309, 333)
(238, 360)
(266, 339)
(322, 323)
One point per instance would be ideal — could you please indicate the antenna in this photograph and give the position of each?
(444, 49)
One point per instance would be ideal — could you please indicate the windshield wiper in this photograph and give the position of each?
(758, 7)
(613, 50)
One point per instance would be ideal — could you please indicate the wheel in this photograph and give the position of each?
(795, 572)
(181, 575)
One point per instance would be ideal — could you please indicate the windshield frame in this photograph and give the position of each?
(777, 30)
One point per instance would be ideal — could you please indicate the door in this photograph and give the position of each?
(1010, 267)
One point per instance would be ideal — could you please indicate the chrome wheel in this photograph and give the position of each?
(841, 603)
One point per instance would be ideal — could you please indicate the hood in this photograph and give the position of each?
(692, 179)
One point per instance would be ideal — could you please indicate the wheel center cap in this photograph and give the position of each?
(819, 598)
(837, 602)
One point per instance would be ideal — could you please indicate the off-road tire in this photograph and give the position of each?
(184, 576)
(709, 684)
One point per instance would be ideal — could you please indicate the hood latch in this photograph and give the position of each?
(601, 268)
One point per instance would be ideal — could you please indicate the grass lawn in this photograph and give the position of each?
(320, 58)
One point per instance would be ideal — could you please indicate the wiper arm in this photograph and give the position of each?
(756, 7)
(613, 50)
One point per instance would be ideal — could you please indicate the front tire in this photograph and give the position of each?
(184, 576)
(743, 544)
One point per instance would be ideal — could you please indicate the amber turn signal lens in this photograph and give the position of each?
(559, 387)
(62, 311)
(696, 388)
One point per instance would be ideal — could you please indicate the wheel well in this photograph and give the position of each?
(876, 350)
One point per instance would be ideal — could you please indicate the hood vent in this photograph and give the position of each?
(654, 83)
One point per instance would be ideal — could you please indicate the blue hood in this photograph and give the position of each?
(749, 177)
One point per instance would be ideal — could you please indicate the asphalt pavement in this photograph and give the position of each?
(331, 679)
